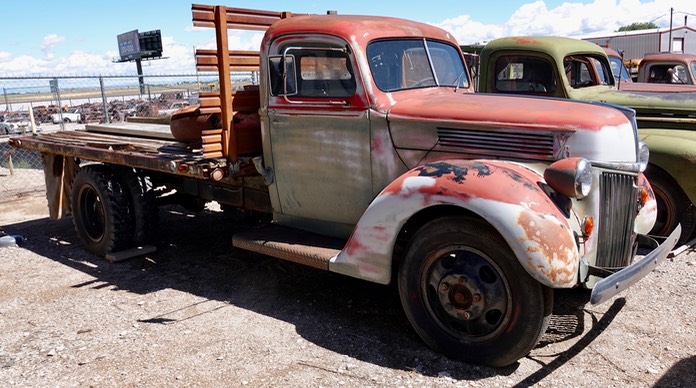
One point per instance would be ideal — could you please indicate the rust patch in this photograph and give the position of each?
(467, 179)
(550, 240)
(525, 40)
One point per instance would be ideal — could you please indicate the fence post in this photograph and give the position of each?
(60, 104)
(103, 95)
(7, 106)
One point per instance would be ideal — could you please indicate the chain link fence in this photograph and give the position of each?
(68, 103)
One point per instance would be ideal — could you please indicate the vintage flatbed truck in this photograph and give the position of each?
(366, 145)
(579, 70)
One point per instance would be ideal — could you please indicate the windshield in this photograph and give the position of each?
(693, 70)
(616, 66)
(415, 63)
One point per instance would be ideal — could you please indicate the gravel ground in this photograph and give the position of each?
(200, 313)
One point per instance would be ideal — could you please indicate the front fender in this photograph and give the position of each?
(675, 152)
(506, 195)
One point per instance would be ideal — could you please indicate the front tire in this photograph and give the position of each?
(468, 297)
(100, 210)
(673, 206)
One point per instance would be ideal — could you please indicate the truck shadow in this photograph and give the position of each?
(355, 318)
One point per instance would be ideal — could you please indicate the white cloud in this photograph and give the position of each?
(571, 19)
(49, 42)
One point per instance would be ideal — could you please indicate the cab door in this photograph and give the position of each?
(319, 131)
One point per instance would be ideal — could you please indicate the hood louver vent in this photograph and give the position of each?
(536, 146)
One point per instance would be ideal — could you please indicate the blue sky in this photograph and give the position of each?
(79, 37)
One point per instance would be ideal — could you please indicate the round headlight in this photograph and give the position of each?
(643, 156)
(571, 177)
(583, 178)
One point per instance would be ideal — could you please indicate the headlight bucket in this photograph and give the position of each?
(571, 177)
(643, 156)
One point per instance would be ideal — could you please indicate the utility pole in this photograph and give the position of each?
(671, 13)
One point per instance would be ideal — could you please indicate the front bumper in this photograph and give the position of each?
(621, 280)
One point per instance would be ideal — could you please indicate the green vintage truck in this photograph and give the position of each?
(578, 70)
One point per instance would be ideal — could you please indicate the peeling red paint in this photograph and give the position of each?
(550, 238)
(525, 40)
(502, 182)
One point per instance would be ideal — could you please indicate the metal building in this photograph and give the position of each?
(636, 44)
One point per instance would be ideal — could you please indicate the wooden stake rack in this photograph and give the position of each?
(224, 142)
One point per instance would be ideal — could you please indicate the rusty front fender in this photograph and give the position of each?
(506, 195)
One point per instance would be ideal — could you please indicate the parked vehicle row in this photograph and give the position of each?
(367, 152)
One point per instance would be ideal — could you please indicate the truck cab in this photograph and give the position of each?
(668, 68)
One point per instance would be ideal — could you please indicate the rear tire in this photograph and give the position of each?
(467, 296)
(100, 210)
(143, 205)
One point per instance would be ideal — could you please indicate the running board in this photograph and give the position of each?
(290, 244)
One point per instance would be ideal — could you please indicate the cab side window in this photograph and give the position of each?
(524, 75)
(319, 73)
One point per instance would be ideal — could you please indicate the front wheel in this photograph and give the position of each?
(468, 297)
(66, 120)
(673, 206)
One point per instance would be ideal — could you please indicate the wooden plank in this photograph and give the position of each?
(207, 132)
(129, 253)
(157, 131)
(212, 147)
(211, 139)
(236, 18)
(229, 141)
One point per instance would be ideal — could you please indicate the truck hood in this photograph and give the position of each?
(495, 126)
(655, 88)
(665, 110)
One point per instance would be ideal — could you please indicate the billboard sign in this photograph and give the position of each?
(129, 45)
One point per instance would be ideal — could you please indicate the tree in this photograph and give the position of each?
(638, 26)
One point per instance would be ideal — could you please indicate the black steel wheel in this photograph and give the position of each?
(673, 206)
(468, 297)
(100, 210)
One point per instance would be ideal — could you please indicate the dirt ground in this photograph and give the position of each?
(198, 313)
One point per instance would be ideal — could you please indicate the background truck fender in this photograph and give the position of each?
(506, 195)
(674, 151)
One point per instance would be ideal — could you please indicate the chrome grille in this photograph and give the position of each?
(619, 200)
(538, 146)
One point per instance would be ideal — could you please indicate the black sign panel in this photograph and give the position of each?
(129, 45)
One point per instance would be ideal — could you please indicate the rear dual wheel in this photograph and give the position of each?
(100, 210)
(468, 297)
(112, 210)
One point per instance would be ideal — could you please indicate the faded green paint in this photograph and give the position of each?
(672, 108)
(675, 152)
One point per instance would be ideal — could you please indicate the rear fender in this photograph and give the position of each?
(506, 195)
